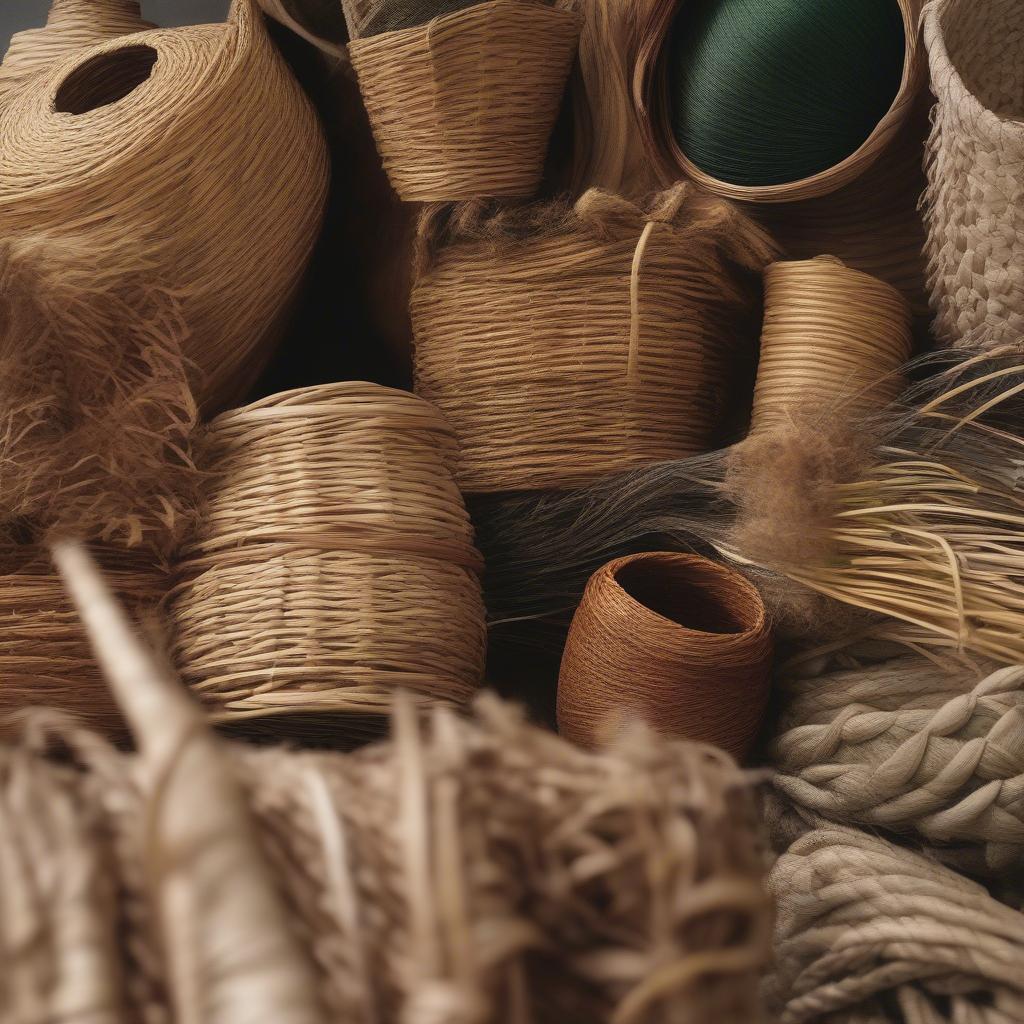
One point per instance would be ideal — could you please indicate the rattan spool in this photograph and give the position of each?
(463, 107)
(603, 341)
(190, 155)
(674, 639)
(335, 561)
(833, 343)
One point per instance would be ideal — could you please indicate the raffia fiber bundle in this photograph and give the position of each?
(563, 343)
(126, 155)
(671, 639)
(974, 206)
(463, 107)
(870, 932)
(335, 559)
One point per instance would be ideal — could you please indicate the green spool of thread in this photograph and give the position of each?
(768, 92)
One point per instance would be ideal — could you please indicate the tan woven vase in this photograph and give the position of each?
(463, 106)
(600, 338)
(975, 200)
(335, 562)
(190, 155)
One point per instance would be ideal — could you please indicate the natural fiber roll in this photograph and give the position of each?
(974, 206)
(673, 639)
(563, 343)
(463, 107)
(834, 341)
(335, 561)
(189, 154)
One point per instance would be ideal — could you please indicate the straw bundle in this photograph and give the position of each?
(463, 107)
(974, 206)
(190, 155)
(675, 640)
(564, 343)
(335, 560)
(869, 932)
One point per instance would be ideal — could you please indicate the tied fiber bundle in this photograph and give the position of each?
(673, 639)
(563, 343)
(974, 206)
(463, 107)
(832, 337)
(334, 562)
(127, 155)
(869, 932)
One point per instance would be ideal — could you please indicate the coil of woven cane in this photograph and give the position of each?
(672, 639)
(974, 206)
(463, 107)
(335, 559)
(128, 154)
(833, 340)
(586, 339)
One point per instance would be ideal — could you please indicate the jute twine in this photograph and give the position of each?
(374, 17)
(590, 340)
(833, 341)
(335, 560)
(189, 154)
(463, 107)
(869, 932)
(974, 207)
(672, 639)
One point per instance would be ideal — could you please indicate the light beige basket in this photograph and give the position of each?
(974, 206)
(463, 106)
(335, 560)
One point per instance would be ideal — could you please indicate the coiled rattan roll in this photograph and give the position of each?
(833, 341)
(335, 561)
(674, 639)
(189, 154)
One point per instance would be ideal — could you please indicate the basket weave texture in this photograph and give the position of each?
(463, 107)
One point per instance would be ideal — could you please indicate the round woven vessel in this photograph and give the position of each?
(974, 206)
(463, 107)
(189, 155)
(335, 561)
(676, 640)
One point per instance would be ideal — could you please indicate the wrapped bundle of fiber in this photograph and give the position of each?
(566, 342)
(462, 96)
(975, 201)
(190, 155)
(334, 561)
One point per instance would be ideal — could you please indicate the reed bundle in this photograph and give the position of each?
(127, 156)
(567, 342)
(974, 206)
(334, 561)
(463, 107)
(670, 639)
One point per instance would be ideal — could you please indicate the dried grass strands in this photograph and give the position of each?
(565, 343)
(127, 156)
(867, 931)
(974, 206)
(463, 107)
(674, 640)
(335, 560)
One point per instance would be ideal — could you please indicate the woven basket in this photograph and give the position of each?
(602, 338)
(463, 107)
(335, 561)
(974, 206)
(190, 155)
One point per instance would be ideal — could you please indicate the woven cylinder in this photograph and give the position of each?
(673, 639)
(187, 155)
(974, 207)
(463, 107)
(603, 338)
(335, 561)
(833, 342)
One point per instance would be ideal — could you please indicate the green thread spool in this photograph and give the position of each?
(768, 92)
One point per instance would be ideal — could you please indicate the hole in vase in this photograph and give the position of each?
(105, 79)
